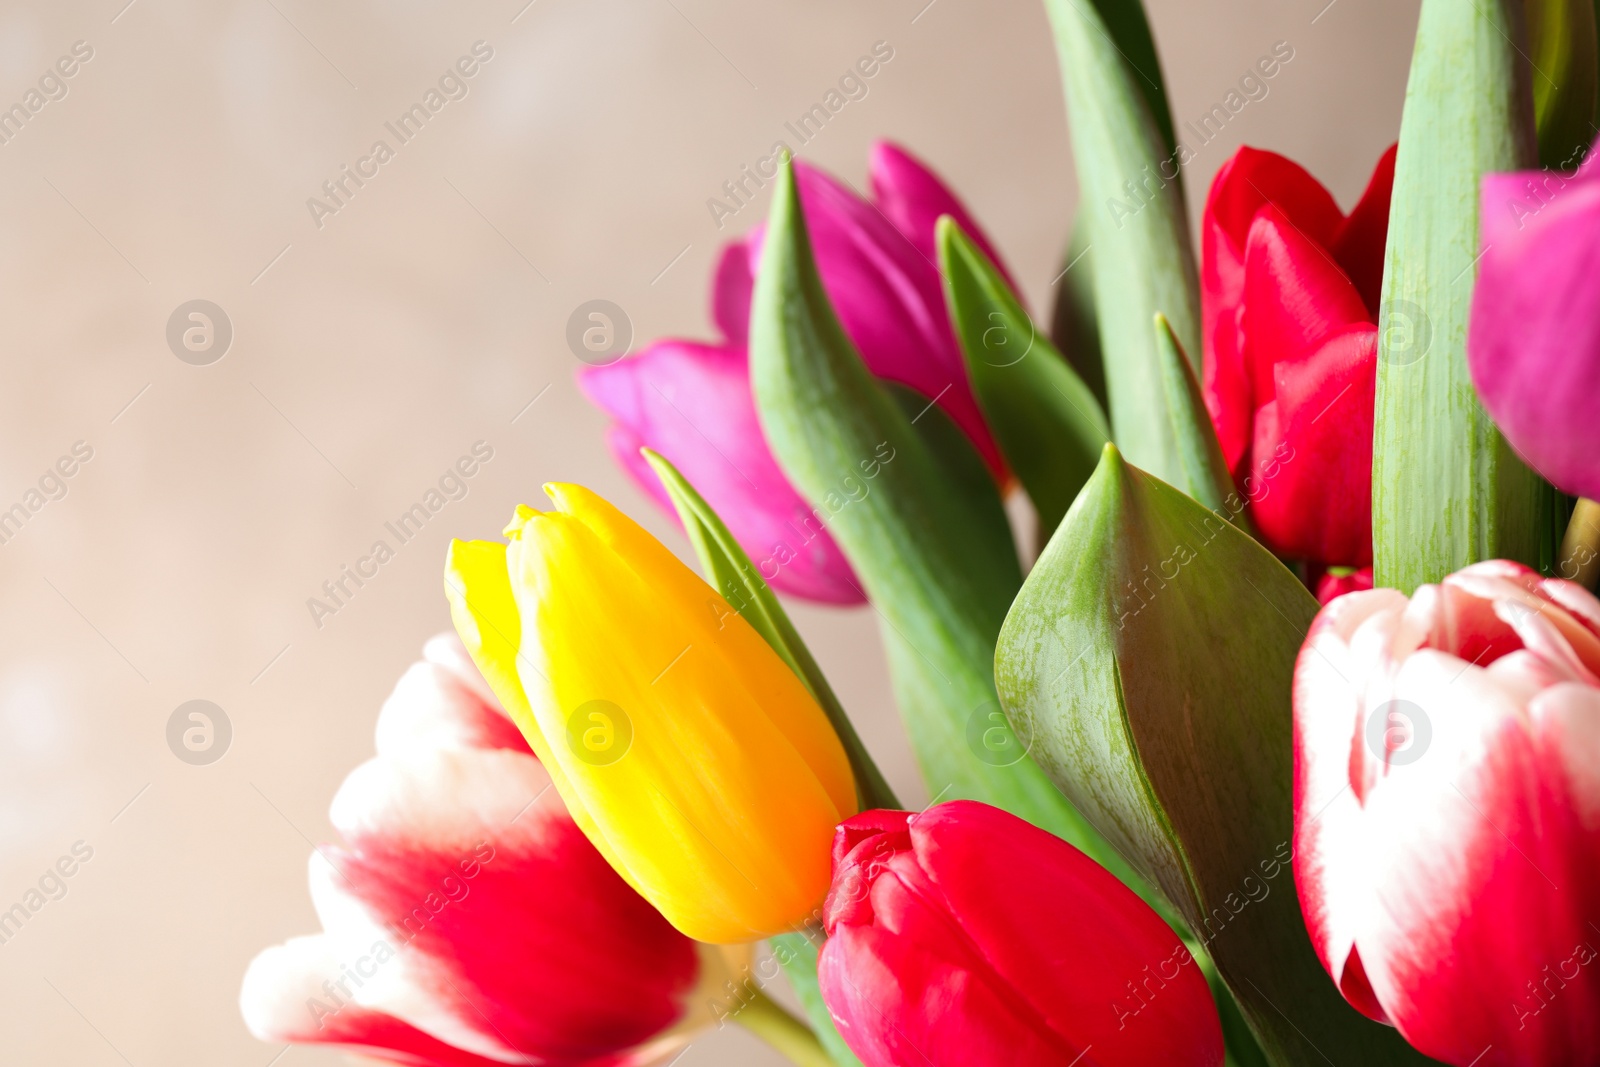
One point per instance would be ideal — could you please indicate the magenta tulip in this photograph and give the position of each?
(1447, 812)
(1534, 340)
(963, 936)
(691, 402)
(467, 921)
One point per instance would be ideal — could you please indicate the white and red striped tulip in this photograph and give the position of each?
(467, 921)
(1447, 812)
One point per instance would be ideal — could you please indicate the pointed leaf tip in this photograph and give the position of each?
(1046, 419)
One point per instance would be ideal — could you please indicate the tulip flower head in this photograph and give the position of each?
(1534, 341)
(1289, 299)
(689, 752)
(467, 921)
(691, 401)
(1447, 812)
(964, 935)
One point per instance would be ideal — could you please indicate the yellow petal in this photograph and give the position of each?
(485, 616)
(722, 805)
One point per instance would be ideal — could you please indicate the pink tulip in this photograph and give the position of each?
(691, 401)
(1534, 340)
(965, 936)
(467, 921)
(1447, 812)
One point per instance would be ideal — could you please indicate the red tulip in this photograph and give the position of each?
(1329, 586)
(964, 936)
(1447, 812)
(1289, 302)
(467, 921)
(1534, 342)
(691, 402)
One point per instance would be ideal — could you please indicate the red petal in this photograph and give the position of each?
(1311, 493)
(1360, 242)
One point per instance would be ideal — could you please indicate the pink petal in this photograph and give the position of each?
(913, 197)
(1534, 337)
(692, 403)
(1470, 848)
(889, 299)
(730, 293)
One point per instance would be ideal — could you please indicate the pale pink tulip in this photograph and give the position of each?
(1447, 812)
(467, 921)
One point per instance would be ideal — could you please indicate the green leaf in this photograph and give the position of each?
(1048, 423)
(935, 555)
(1132, 209)
(1205, 472)
(1074, 327)
(729, 569)
(1446, 488)
(1150, 654)
(1562, 52)
(1128, 32)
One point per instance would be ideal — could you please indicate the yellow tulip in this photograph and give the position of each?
(692, 756)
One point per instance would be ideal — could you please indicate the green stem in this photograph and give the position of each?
(768, 1020)
(1580, 549)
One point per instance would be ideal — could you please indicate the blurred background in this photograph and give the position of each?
(373, 345)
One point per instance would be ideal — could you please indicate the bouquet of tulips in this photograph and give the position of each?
(1285, 750)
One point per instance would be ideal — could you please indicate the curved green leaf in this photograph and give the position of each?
(1205, 472)
(937, 561)
(1150, 653)
(1048, 423)
(1134, 216)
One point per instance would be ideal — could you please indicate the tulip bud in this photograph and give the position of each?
(1290, 292)
(965, 935)
(691, 402)
(466, 920)
(1447, 787)
(689, 752)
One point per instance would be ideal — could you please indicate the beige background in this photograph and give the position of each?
(370, 353)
